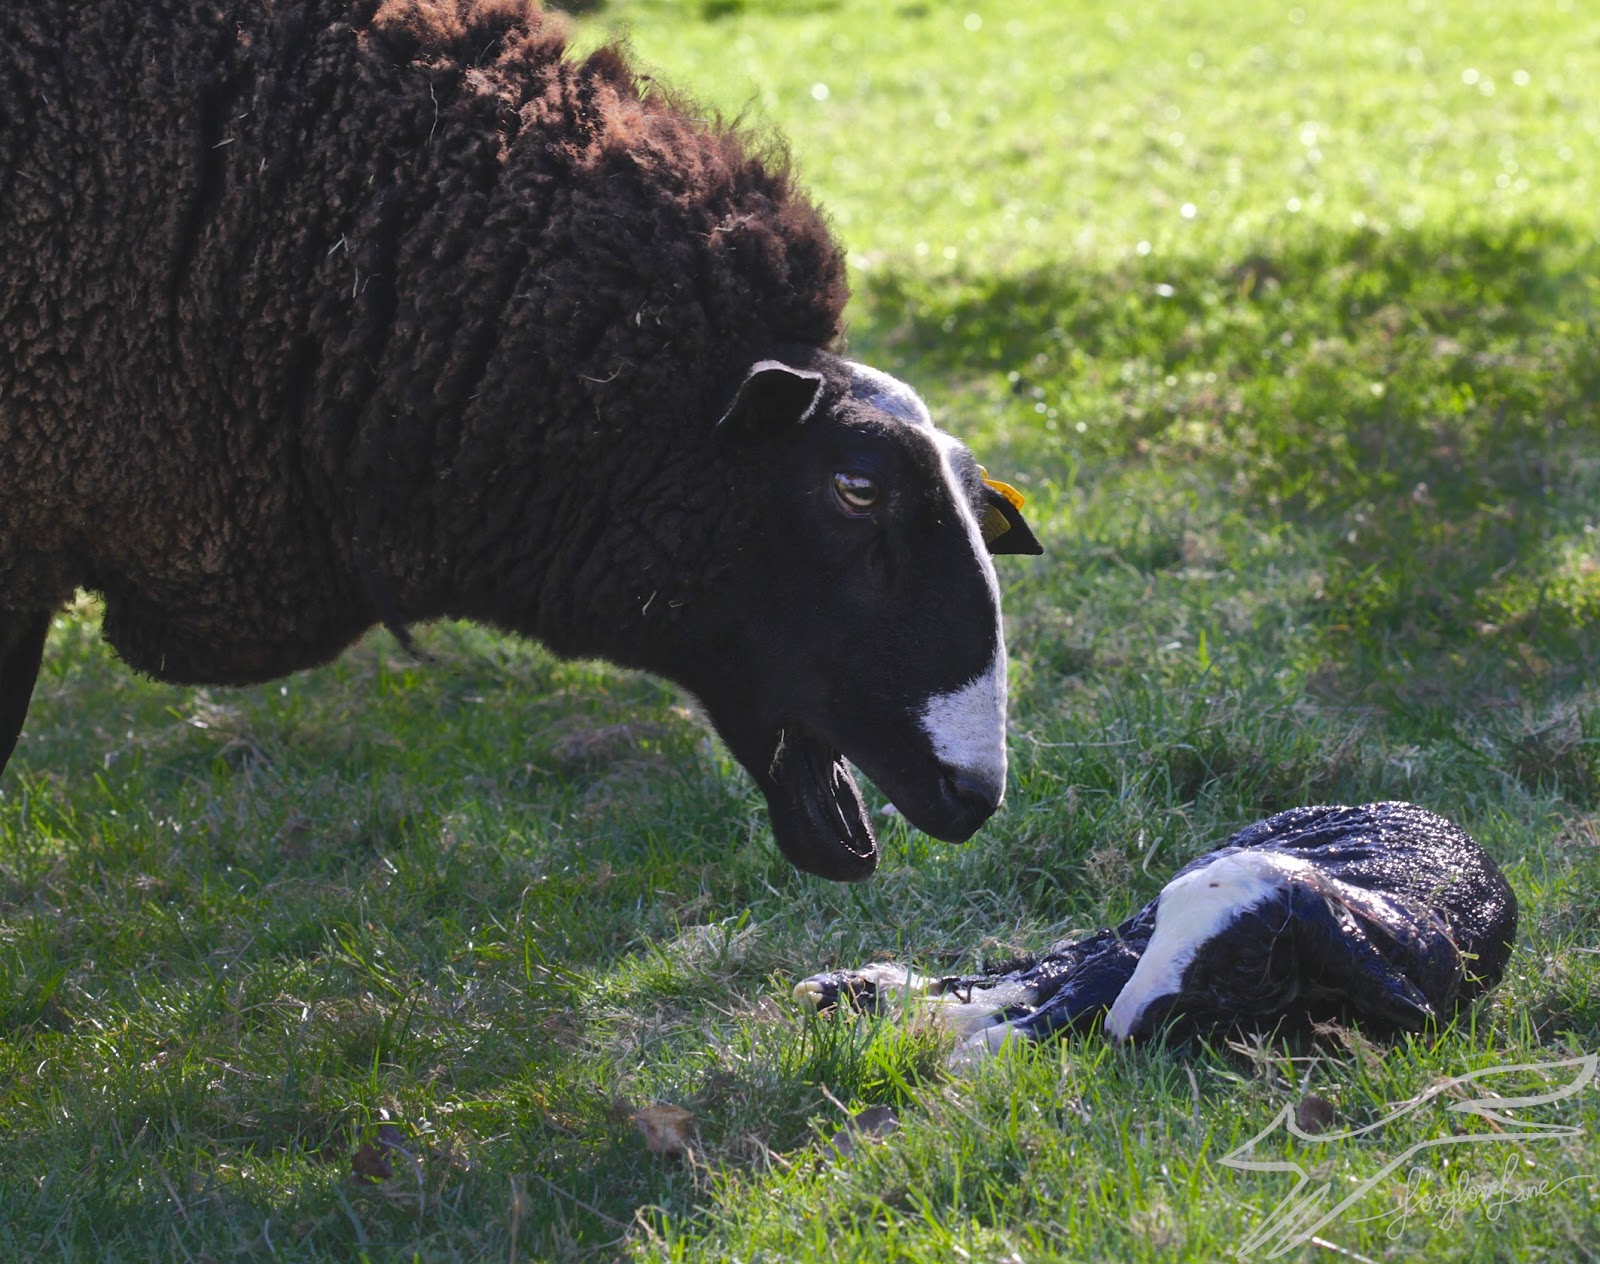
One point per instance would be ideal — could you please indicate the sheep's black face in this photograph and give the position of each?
(871, 630)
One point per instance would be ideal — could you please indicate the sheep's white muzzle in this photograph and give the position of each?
(967, 730)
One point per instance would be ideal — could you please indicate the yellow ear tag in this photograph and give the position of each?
(994, 524)
(1017, 499)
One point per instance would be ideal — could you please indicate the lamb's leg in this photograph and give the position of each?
(1068, 987)
(1075, 984)
(959, 1003)
(22, 634)
(870, 989)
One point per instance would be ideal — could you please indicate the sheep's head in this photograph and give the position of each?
(870, 629)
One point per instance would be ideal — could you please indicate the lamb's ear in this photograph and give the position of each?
(1004, 530)
(773, 396)
(1333, 938)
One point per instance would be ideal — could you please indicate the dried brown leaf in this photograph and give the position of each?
(1313, 1114)
(872, 1124)
(666, 1128)
(369, 1163)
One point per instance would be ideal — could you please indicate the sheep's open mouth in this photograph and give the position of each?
(818, 818)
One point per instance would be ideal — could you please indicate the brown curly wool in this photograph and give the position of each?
(314, 314)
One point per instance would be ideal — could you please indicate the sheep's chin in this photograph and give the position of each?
(818, 818)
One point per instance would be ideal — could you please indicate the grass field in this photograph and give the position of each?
(1284, 317)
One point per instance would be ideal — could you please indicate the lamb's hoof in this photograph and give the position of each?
(817, 992)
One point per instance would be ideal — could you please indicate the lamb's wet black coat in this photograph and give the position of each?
(1400, 919)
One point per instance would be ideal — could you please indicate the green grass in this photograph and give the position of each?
(1284, 318)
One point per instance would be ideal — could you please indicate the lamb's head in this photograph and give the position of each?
(869, 625)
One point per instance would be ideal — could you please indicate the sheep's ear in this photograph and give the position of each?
(1004, 530)
(774, 395)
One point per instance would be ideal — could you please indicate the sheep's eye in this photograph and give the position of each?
(855, 494)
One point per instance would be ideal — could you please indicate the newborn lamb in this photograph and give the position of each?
(1386, 915)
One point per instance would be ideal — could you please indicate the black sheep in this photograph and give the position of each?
(316, 314)
(1385, 914)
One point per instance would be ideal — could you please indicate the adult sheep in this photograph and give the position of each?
(316, 314)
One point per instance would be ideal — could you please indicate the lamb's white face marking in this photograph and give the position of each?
(1193, 908)
(966, 726)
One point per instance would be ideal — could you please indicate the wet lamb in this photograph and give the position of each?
(316, 314)
(1386, 914)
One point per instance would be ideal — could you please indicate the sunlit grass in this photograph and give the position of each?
(1283, 317)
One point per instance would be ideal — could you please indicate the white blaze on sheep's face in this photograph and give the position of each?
(967, 728)
(967, 725)
(1194, 907)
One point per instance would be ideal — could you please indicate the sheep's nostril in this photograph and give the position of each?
(976, 792)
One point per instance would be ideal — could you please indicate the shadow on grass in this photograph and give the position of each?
(1423, 405)
(564, 1172)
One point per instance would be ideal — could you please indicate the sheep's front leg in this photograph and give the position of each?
(22, 634)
